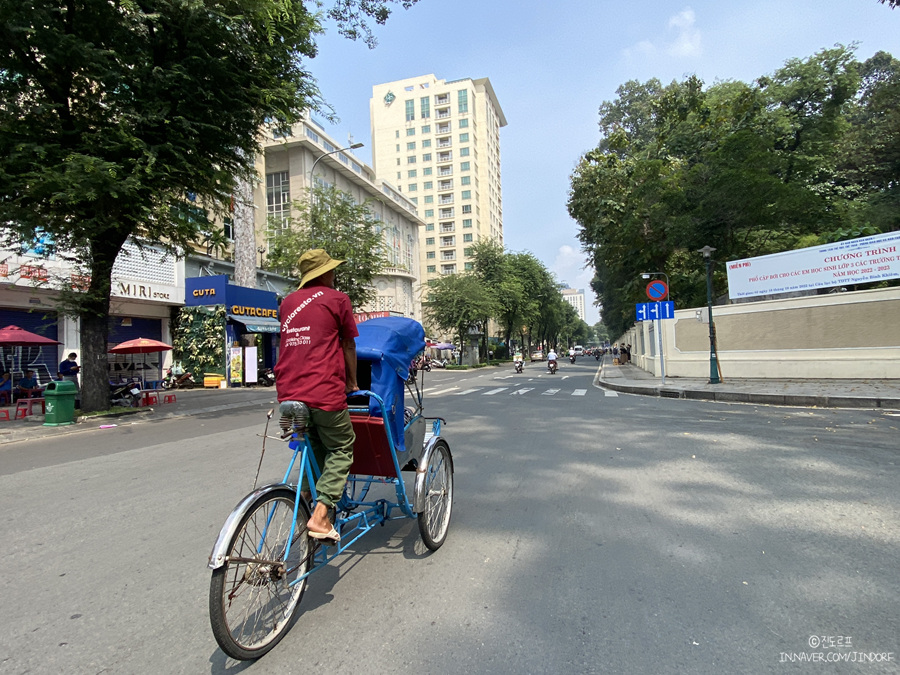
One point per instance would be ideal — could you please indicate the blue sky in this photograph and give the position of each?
(553, 64)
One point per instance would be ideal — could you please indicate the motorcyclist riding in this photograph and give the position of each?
(551, 360)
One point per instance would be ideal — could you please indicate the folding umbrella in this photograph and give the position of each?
(141, 346)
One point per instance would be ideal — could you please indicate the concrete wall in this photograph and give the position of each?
(839, 335)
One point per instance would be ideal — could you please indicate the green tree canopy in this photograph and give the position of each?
(458, 304)
(112, 111)
(346, 230)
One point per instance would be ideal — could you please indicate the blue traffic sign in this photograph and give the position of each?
(650, 311)
(657, 290)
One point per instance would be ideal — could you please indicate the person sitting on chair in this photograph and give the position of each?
(28, 386)
(6, 388)
(317, 366)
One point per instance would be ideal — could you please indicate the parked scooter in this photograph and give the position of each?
(183, 381)
(126, 395)
(266, 377)
(551, 366)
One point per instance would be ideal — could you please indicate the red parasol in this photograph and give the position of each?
(140, 346)
(13, 336)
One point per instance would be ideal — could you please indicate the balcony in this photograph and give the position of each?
(448, 227)
(445, 142)
(446, 213)
(448, 241)
(442, 99)
(443, 128)
(443, 114)
(445, 185)
(445, 157)
(445, 170)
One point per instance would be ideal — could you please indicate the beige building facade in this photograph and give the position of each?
(439, 142)
(576, 299)
(285, 169)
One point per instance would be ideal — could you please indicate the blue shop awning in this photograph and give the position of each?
(257, 324)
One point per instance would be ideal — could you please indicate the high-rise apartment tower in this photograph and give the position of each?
(440, 142)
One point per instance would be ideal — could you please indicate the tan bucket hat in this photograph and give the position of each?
(315, 263)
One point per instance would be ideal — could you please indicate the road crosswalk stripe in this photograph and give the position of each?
(579, 392)
(520, 391)
(550, 392)
(609, 392)
(442, 391)
(467, 391)
(494, 391)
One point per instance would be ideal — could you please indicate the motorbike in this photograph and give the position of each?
(183, 381)
(551, 366)
(520, 366)
(597, 355)
(572, 359)
(126, 394)
(266, 377)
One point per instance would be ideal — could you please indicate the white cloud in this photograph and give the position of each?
(687, 42)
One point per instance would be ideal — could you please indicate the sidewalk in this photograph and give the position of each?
(803, 393)
(187, 402)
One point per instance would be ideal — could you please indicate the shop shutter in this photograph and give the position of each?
(44, 361)
(130, 365)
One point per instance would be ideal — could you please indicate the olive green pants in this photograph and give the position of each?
(331, 436)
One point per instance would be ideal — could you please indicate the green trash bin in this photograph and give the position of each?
(60, 403)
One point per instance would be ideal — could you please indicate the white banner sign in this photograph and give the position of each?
(856, 261)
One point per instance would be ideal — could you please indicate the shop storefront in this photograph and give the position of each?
(248, 318)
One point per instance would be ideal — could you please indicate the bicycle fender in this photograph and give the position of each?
(220, 549)
(419, 487)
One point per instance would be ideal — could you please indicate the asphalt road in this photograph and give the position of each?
(591, 533)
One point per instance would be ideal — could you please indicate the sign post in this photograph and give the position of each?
(646, 311)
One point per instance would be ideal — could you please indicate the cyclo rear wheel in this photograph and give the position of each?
(251, 601)
(434, 520)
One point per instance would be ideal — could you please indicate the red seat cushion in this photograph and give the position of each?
(371, 451)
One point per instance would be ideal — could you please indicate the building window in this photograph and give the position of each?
(429, 213)
(467, 222)
(427, 185)
(430, 226)
(467, 252)
(463, 100)
(431, 269)
(410, 174)
(412, 187)
(426, 129)
(463, 152)
(397, 149)
(463, 123)
(465, 180)
(411, 146)
(410, 110)
(398, 175)
(426, 171)
(467, 194)
(425, 106)
(278, 203)
(397, 134)
(429, 241)
(470, 266)
(409, 132)
(429, 199)
(429, 255)
(414, 200)
(467, 208)
(426, 143)
(467, 237)
(426, 157)
(464, 138)
(411, 159)
(464, 166)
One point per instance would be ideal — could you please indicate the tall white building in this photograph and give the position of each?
(439, 141)
(576, 299)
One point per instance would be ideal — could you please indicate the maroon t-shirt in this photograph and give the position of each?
(310, 364)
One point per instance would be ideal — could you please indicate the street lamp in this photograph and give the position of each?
(355, 146)
(662, 363)
(713, 352)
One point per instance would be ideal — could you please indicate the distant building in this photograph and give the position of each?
(576, 299)
(439, 142)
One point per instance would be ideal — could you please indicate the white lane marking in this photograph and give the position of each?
(494, 391)
(467, 391)
(521, 391)
(550, 392)
(565, 376)
(504, 377)
(579, 392)
(443, 391)
(610, 392)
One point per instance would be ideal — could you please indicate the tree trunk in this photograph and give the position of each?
(244, 239)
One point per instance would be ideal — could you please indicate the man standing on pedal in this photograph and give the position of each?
(317, 365)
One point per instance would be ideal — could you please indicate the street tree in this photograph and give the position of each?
(346, 230)
(458, 304)
(112, 111)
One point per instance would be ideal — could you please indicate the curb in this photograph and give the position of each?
(793, 400)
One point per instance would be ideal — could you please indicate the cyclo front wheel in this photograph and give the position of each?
(434, 520)
(252, 601)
